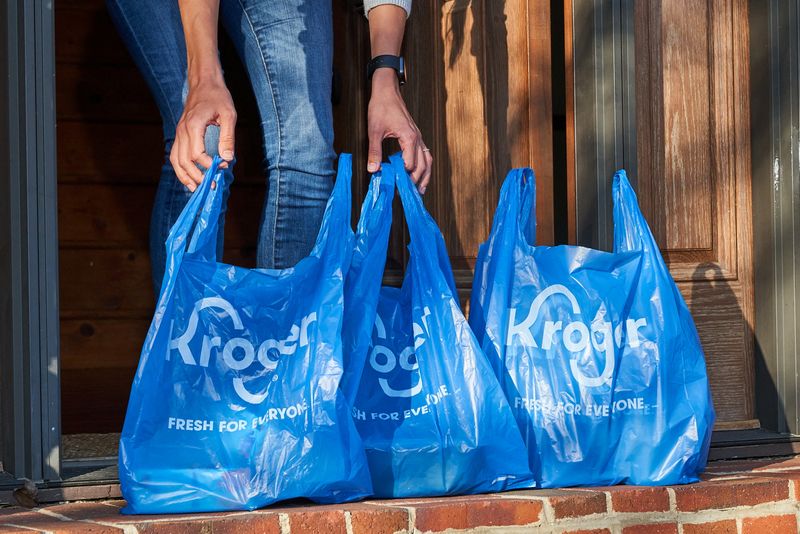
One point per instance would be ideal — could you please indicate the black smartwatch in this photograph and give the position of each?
(388, 61)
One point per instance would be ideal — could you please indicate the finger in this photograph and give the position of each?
(419, 170)
(426, 176)
(375, 154)
(187, 162)
(174, 159)
(408, 144)
(197, 146)
(227, 128)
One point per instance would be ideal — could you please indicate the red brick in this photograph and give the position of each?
(247, 524)
(503, 512)
(577, 503)
(378, 520)
(652, 528)
(774, 524)
(792, 475)
(568, 503)
(439, 516)
(717, 527)
(639, 499)
(317, 521)
(727, 494)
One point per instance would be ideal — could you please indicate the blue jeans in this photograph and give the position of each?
(286, 47)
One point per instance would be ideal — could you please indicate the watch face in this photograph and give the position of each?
(401, 72)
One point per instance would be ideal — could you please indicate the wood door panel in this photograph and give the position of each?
(102, 343)
(717, 311)
(463, 193)
(484, 107)
(130, 152)
(694, 177)
(96, 400)
(95, 92)
(115, 282)
(85, 34)
(107, 215)
(686, 189)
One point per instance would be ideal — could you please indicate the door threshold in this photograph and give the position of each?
(754, 443)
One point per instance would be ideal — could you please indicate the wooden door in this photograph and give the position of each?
(695, 179)
(480, 91)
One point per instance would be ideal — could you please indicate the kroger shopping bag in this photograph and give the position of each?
(431, 413)
(235, 403)
(596, 351)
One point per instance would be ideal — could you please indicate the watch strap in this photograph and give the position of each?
(387, 61)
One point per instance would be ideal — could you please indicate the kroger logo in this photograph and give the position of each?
(239, 353)
(384, 361)
(576, 336)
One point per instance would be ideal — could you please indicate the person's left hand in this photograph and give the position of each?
(387, 116)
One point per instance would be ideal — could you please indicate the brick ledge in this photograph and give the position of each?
(738, 497)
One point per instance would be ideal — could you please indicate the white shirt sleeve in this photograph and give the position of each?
(405, 4)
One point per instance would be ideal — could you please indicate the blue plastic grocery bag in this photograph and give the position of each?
(596, 351)
(235, 404)
(431, 413)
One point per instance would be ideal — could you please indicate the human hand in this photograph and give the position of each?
(208, 102)
(388, 117)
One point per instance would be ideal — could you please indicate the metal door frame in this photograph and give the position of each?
(775, 134)
(30, 421)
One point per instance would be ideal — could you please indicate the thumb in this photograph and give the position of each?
(226, 135)
(374, 156)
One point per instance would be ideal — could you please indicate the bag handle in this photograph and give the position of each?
(195, 231)
(515, 216)
(527, 209)
(631, 231)
(364, 276)
(427, 243)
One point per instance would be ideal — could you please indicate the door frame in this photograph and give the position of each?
(775, 97)
(601, 113)
(30, 420)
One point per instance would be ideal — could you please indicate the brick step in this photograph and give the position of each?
(736, 497)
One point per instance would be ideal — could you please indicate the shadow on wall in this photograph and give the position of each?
(722, 292)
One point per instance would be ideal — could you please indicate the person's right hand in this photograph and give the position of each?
(208, 102)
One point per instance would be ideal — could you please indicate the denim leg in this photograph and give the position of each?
(287, 49)
(153, 34)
